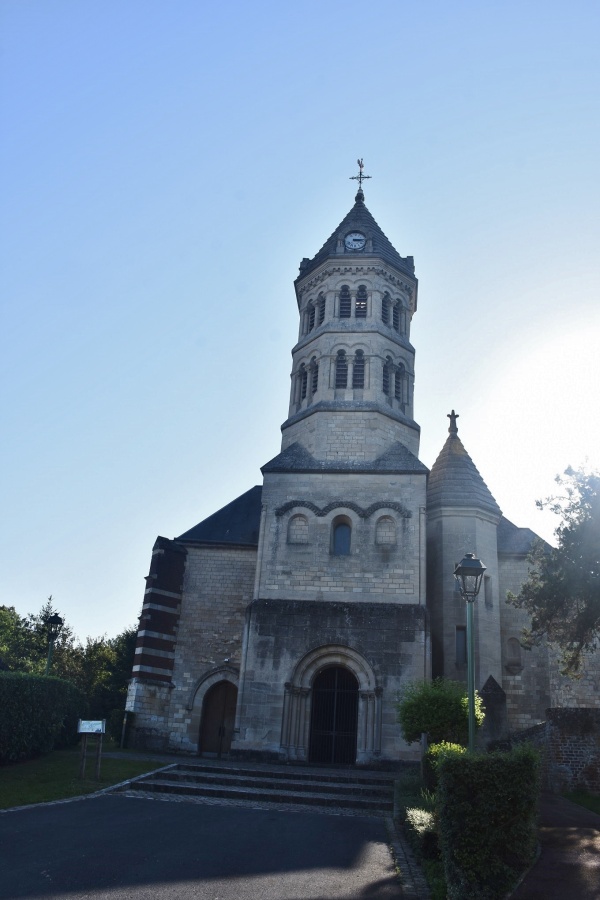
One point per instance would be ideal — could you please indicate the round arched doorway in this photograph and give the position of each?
(334, 717)
(218, 719)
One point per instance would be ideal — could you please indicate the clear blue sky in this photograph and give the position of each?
(166, 165)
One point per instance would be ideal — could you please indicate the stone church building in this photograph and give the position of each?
(286, 624)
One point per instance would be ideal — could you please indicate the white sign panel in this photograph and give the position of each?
(88, 726)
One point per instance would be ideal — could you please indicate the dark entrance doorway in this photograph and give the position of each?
(334, 717)
(218, 717)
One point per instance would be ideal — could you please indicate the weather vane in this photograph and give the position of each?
(360, 177)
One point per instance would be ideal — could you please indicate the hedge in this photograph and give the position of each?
(487, 806)
(37, 714)
(432, 758)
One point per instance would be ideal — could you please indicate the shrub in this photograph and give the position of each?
(432, 758)
(422, 832)
(487, 820)
(437, 708)
(37, 714)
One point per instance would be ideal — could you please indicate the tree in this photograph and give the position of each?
(438, 708)
(14, 638)
(101, 668)
(562, 592)
(24, 642)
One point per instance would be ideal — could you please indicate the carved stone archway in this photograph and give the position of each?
(295, 733)
(198, 692)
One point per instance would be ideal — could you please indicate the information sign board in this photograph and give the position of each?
(90, 726)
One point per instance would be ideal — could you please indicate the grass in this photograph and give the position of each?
(584, 798)
(56, 777)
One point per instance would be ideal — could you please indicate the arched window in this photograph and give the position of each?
(403, 319)
(341, 370)
(303, 381)
(298, 530)
(341, 535)
(385, 309)
(387, 372)
(358, 374)
(311, 317)
(314, 371)
(360, 304)
(396, 317)
(321, 302)
(399, 384)
(385, 531)
(514, 663)
(345, 302)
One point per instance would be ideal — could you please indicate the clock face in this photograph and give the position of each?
(355, 240)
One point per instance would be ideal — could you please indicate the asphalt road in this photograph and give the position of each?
(113, 847)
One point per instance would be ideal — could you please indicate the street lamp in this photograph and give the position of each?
(469, 575)
(54, 625)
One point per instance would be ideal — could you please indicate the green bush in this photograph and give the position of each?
(487, 806)
(432, 758)
(437, 708)
(37, 714)
(422, 833)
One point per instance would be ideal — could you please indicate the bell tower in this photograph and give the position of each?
(340, 576)
(352, 379)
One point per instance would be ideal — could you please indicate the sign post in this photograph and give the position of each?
(85, 728)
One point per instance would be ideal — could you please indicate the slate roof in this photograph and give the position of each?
(237, 523)
(455, 481)
(296, 458)
(513, 540)
(359, 219)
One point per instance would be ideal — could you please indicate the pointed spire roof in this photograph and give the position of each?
(377, 244)
(454, 479)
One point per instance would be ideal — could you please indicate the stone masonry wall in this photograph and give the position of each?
(391, 639)
(573, 749)
(373, 571)
(451, 534)
(217, 588)
(525, 673)
(347, 434)
(581, 691)
(149, 703)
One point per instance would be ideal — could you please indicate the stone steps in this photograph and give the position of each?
(343, 789)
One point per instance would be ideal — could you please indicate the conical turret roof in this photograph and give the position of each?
(377, 244)
(454, 479)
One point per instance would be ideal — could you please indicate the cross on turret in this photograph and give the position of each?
(360, 177)
(453, 416)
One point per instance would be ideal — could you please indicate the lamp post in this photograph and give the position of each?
(469, 575)
(54, 625)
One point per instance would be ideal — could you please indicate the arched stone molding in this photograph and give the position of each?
(200, 688)
(321, 512)
(295, 732)
(195, 702)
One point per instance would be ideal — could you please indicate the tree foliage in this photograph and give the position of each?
(438, 708)
(100, 668)
(562, 592)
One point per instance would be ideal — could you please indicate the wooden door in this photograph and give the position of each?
(334, 717)
(218, 718)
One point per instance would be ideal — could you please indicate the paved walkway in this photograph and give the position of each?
(113, 847)
(569, 864)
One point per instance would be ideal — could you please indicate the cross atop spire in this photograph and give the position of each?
(453, 416)
(360, 177)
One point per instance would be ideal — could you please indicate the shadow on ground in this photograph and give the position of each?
(127, 847)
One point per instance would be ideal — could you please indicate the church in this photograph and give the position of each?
(285, 625)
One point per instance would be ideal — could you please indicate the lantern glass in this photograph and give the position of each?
(55, 623)
(469, 575)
